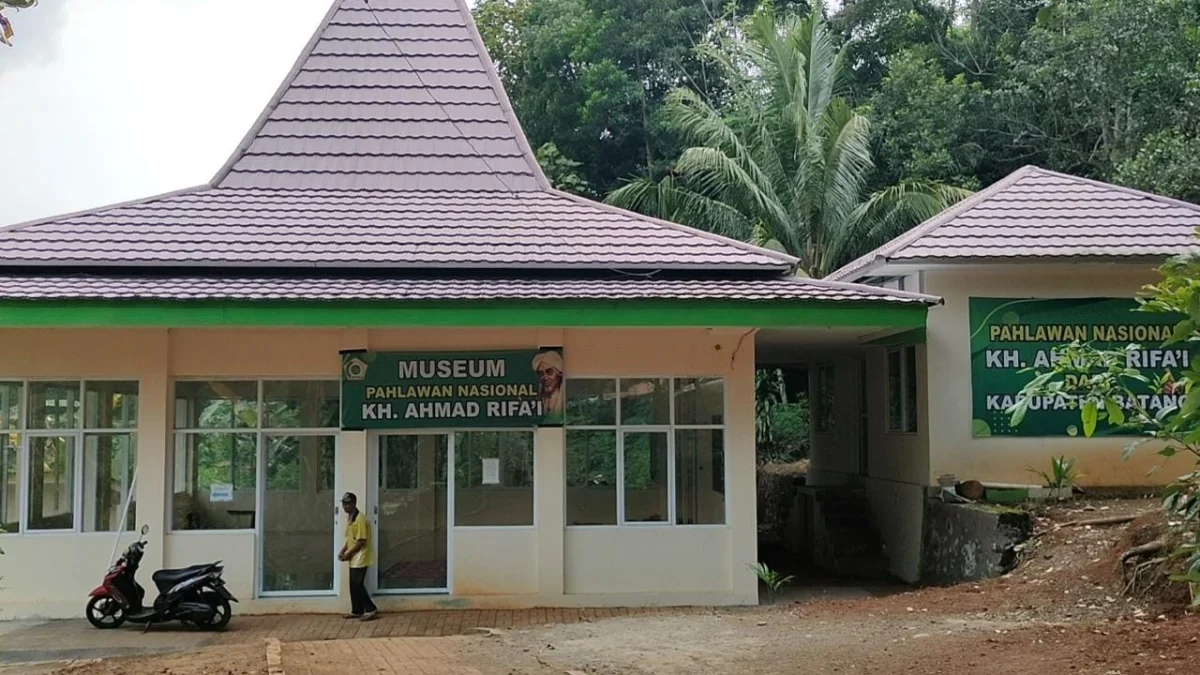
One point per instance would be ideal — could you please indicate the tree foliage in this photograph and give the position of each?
(787, 161)
(957, 92)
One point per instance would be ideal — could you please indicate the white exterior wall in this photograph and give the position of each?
(49, 575)
(952, 447)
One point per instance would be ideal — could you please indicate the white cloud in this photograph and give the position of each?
(128, 98)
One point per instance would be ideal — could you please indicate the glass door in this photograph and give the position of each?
(411, 513)
(299, 512)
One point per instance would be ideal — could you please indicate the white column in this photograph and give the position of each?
(742, 487)
(550, 497)
(154, 446)
(549, 500)
(353, 467)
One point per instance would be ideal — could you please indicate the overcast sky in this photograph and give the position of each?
(103, 101)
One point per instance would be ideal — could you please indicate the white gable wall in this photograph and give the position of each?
(952, 448)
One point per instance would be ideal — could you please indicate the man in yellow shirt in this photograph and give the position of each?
(359, 553)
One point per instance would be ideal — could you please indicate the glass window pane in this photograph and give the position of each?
(52, 482)
(301, 404)
(910, 389)
(298, 532)
(700, 477)
(10, 405)
(54, 405)
(283, 462)
(591, 402)
(591, 477)
(645, 401)
(216, 405)
(493, 473)
(412, 548)
(214, 481)
(895, 400)
(646, 477)
(10, 482)
(700, 400)
(110, 405)
(109, 461)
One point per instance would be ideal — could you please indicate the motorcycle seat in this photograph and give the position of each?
(167, 578)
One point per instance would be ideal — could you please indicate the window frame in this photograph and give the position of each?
(906, 378)
(669, 429)
(260, 433)
(79, 434)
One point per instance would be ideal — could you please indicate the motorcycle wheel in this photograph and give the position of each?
(223, 612)
(106, 613)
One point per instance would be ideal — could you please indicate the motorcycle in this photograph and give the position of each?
(195, 595)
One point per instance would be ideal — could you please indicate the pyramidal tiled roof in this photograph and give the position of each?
(389, 153)
(392, 144)
(389, 95)
(1036, 214)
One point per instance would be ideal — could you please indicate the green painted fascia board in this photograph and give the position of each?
(915, 336)
(756, 314)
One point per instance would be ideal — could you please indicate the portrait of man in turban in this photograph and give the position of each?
(549, 368)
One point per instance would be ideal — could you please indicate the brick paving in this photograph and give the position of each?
(315, 627)
(313, 644)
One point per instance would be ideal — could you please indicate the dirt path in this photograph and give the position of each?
(1061, 611)
(765, 642)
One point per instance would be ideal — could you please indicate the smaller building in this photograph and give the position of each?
(1036, 260)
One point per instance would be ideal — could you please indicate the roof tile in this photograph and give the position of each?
(327, 288)
(337, 228)
(1035, 214)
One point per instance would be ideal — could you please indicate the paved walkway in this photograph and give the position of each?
(28, 642)
(298, 628)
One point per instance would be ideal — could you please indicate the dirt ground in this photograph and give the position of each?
(1061, 610)
(247, 659)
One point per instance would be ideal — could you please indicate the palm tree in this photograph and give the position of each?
(786, 163)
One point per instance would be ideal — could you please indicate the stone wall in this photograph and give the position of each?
(968, 542)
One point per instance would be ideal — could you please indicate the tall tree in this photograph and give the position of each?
(924, 122)
(787, 163)
(590, 76)
(1094, 78)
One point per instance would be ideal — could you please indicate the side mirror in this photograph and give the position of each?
(145, 529)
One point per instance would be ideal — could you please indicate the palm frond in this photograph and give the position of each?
(714, 174)
(847, 162)
(889, 213)
(668, 200)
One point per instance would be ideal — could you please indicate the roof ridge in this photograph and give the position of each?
(505, 103)
(868, 260)
(257, 127)
(1122, 188)
(7, 229)
(850, 286)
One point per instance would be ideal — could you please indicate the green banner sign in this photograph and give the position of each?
(1009, 335)
(452, 390)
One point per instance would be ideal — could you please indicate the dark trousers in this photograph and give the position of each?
(360, 599)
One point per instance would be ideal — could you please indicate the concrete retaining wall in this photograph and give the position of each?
(968, 542)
